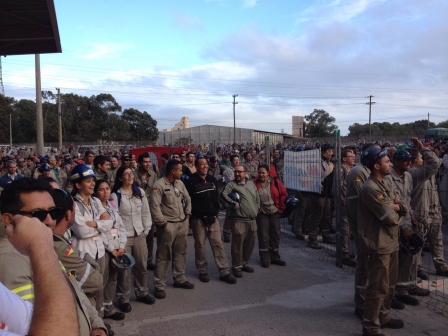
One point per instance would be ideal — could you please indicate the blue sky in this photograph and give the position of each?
(282, 58)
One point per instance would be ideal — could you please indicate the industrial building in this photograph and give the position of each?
(220, 134)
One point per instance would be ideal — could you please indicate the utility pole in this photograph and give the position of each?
(2, 89)
(10, 131)
(370, 115)
(428, 120)
(59, 118)
(234, 124)
(39, 118)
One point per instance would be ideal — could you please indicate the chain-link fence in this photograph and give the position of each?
(318, 215)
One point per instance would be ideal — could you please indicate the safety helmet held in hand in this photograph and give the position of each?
(411, 246)
(234, 196)
(124, 262)
(81, 172)
(291, 203)
(372, 154)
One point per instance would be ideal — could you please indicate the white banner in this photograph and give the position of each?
(302, 170)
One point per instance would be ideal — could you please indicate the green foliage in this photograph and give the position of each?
(142, 126)
(319, 124)
(416, 128)
(83, 119)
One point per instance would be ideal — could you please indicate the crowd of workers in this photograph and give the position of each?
(105, 210)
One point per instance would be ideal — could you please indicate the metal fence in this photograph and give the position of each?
(434, 254)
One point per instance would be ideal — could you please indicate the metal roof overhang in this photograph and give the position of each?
(28, 27)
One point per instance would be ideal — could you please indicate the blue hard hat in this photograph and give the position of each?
(234, 196)
(402, 155)
(184, 178)
(411, 246)
(291, 203)
(124, 262)
(372, 154)
(81, 172)
(44, 167)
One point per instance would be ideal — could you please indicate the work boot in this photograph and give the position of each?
(117, 316)
(300, 236)
(247, 269)
(422, 275)
(147, 299)
(397, 305)
(229, 278)
(419, 291)
(184, 285)
(151, 266)
(125, 307)
(226, 238)
(407, 299)
(393, 324)
(278, 262)
(349, 262)
(265, 264)
(203, 277)
(359, 313)
(237, 273)
(314, 245)
(160, 294)
(328, 239)
(442, 272)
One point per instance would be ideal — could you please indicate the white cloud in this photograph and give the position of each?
(186, 21)
(104, 50)
(250, 3)
(336, 10)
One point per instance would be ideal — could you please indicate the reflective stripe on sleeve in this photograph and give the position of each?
(388, 212)
(27, 296)
(352, 197)
(22, 288)
(86, 275)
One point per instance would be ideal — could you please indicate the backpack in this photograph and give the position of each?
(137, 189)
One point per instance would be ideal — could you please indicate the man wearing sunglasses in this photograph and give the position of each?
(125, 160)
(31, 198)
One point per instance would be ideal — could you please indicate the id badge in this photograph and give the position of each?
(95, 238)
(114, 233)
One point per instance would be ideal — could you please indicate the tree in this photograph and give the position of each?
(142, 126)
(6, 109)
(319, 124)
(443, 124)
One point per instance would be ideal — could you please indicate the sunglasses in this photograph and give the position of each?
(40, 214)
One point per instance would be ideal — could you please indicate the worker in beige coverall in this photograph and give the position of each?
(171, 210)
(379, 212)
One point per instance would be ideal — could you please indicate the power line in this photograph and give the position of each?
(274, 69)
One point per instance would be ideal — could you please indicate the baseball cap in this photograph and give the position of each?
(213, 159)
